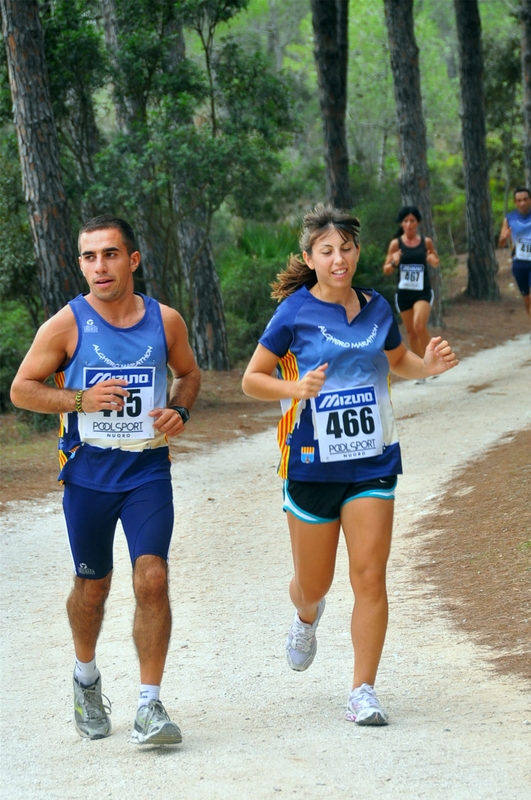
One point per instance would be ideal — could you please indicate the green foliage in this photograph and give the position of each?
(18, 270)
(247, 271)
(16, 334)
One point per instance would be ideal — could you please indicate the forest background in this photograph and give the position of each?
(200, 122)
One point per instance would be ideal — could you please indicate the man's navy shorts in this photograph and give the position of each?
(146, 514)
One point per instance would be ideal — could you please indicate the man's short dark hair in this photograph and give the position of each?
(110, 221)
(521, 189)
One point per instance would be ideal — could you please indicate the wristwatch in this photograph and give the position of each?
(185, 414)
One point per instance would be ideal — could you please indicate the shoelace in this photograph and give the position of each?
(302, 637)
(366, 698)
(93, 707)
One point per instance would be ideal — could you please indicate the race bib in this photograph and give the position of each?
(348, 424)
(411, 277)
(523, 250)
(130, 422)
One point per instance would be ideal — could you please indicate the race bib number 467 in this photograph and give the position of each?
(348, 424)
(411, 277)
(131, 421)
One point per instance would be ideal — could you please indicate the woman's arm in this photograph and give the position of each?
(439, 357)
(392, 260)
(260, 382)
(432, 258)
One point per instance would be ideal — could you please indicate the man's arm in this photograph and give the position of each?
(186, 374)
(505, 233)
(52, 347)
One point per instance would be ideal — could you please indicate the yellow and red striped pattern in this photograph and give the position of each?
(289, 371)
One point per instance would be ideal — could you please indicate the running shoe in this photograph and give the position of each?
(301, 644)
(363, 707)
(153, 726)
(90, 712)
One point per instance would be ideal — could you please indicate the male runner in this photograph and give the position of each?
(109, 351)
(517, 226)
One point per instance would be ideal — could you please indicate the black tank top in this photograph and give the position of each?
(416, 255)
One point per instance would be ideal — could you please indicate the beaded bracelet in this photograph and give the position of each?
(79, 401)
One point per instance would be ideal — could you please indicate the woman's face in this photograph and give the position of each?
(409, 225)
(334, 259)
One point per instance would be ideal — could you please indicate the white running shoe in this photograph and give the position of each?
(153, 726)
(363, 707)
(301, 644)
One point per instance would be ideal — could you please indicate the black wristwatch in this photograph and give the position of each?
(185, 414)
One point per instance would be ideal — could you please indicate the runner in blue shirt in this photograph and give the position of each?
(109, 351)
(325, 355)
(517, 226)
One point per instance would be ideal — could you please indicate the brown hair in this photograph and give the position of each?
(314, 224)
(105, 221)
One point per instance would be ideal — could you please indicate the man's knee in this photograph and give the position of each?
(91, 593)
(150, 579)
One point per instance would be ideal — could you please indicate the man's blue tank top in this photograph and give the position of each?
(107, 451)
(521, 235)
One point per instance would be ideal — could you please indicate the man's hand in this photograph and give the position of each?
(105, 396)
(167, 421)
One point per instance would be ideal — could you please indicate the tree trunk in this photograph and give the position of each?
(482, 264)
(59, 276)
(131, 120)
(525, 16)
(330, 29)
(411, 129)
(209, 337)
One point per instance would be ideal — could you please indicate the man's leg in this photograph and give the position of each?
(85, 607)
(152, 623)
(91, 537)
(147, 518)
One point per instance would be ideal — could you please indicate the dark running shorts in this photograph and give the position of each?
(406, 298)
(522, 276)
(146, 514)
(318, 503)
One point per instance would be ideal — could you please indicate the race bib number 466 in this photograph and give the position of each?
(131, 421)
(348, 424)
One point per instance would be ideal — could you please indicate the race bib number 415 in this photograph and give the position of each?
(131, 421)
(523, 250)
(348, 424)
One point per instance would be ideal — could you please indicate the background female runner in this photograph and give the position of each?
(410, 254)
(330, 346)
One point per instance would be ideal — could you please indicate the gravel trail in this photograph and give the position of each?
(251, 727)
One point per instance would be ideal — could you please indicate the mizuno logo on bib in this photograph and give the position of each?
(130, 422)
(348, 424)
(411, 277)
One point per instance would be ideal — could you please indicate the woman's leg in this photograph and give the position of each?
(408, 320)
(421, 315)
(367, 524)
(314, 550)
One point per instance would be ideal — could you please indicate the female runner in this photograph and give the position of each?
(410, 254)
(331, 346)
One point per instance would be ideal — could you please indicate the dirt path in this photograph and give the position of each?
(252, 728)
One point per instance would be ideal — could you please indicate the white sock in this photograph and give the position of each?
(148, 692)
(86, 672)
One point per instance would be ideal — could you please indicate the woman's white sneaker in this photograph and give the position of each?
(301, 644)
(363, 707)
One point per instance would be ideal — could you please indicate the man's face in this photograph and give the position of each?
(522, 201)
(107, 266)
